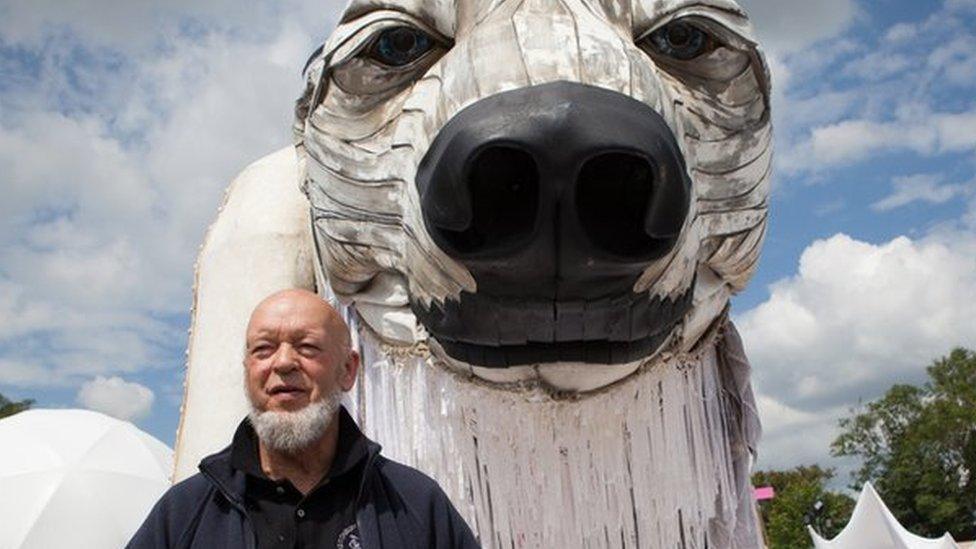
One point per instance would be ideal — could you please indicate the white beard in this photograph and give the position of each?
(291, 432)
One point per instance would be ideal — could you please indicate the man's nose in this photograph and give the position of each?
(569, 189)
(285, 359)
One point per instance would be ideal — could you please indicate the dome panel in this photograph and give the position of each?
(77, 478)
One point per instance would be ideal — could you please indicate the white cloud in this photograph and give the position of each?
(855, 319)
(850, 141)
(787, 26)
(830, 207)
(119, 140)
(858, 317)
(956, 132)
(141, 24)
(903, 92)
(791, 436)
(785, 36)
(21, 373)
(901, 32)
(853, 140)
(918, 188)
(68, 166)
(116, 397)
(961, 5)
(878, 66)
(969, 219)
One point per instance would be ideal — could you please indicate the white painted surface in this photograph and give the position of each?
(260, 243)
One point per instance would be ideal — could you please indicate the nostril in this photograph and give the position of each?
(613, 195)
(503, 183)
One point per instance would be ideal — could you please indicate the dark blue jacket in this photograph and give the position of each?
(398, 507)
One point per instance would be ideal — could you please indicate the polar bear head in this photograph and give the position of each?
(550, 189)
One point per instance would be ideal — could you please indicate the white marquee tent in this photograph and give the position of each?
(76, 478)
(872, 526)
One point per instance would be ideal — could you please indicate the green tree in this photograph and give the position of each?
(797, 492)
(917, 445)
(9, 407)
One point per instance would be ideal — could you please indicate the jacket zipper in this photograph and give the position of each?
(251, 541)
(367, 471)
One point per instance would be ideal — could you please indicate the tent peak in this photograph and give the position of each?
(873, 525)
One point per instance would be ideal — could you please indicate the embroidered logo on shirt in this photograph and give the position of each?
(349, 538)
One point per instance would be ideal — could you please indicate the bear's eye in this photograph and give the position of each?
(400, 46)
(680, 40)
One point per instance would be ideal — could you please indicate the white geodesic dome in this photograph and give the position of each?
(76, 478)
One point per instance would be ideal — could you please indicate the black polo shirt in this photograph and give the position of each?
(282, 516)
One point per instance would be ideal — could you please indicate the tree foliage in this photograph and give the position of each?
(797, 492)
(917, 445)
(9, 407)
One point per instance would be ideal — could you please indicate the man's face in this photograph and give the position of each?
(297, 353)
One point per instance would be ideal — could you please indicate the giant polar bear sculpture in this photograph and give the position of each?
(534, 213)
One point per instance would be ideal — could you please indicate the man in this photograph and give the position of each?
(299, 473)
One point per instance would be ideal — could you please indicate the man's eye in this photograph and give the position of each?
(680, 40)
(400, 46)
(308, 349)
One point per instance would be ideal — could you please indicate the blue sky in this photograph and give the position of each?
(120, 126)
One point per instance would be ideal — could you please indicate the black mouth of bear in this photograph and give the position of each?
(498, 332)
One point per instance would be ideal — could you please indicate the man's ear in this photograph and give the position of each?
(349, 371)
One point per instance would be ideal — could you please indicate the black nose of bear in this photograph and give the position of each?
(559, 191)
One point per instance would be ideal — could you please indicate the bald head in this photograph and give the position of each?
(300, 305)
(297, 352)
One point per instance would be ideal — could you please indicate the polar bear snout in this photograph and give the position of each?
(573, 189)
(556, 198)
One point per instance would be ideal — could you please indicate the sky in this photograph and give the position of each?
(121, 123)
